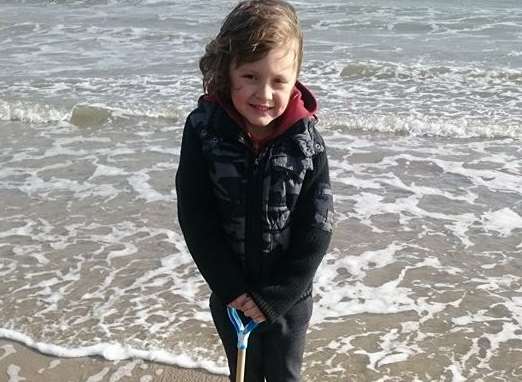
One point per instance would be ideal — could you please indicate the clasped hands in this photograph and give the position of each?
(247, 305)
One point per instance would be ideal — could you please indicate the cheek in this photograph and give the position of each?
(237, 97)
(235, 83)
(239, 89)
(235, 87)
(283, 100)
(235, 90)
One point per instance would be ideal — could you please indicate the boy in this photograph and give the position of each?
(254, 196)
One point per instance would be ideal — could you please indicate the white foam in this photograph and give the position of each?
(98, 377)
(112, 352)
(123, 371)
(8, 350)
(54, 363)
(504, 221)
(82, 114)
(456, 373)
(139, 183)
(129, 250)
(335, 302)
(105, 170)
(30, 112)
(391, 351)
(424, 125)
(12, 372)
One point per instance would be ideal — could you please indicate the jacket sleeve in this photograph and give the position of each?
(200, 223)
(311, 233)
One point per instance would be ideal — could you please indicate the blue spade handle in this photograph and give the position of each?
(242, 331)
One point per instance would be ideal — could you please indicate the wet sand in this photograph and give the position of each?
(21, 364)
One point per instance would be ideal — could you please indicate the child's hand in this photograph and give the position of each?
(249, 308)
(239, 302)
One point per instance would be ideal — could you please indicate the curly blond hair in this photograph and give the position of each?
(248, 33)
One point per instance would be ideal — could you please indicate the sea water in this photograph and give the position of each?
(421, 109)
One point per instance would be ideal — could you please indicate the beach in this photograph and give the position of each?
(19, 363)
(420, 108)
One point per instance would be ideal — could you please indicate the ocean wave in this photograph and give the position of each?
(113, 352)
(427, 126)
(30, 112)
(81, 114)
(419, 72)
(99, 114)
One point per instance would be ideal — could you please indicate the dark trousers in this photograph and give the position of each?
(275, 351)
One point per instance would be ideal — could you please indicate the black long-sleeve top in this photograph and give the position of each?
(280, 200)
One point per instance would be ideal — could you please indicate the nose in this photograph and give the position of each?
(264, 91)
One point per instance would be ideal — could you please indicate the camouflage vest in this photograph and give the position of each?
(256, 194)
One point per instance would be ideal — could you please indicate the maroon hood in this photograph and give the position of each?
(302, 104)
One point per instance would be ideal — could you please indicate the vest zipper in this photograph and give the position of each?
(253, 234)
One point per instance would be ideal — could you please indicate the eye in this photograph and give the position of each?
(249, 76)
(280, 82)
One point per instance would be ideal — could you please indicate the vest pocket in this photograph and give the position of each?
(286, 179)
(278, 217)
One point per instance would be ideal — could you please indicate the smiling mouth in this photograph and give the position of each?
(262, 108)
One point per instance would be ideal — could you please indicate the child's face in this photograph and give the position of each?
(260, 90)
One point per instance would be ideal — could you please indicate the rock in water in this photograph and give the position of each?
(88, 115)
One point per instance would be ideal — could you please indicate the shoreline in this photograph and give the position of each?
(19, 363)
